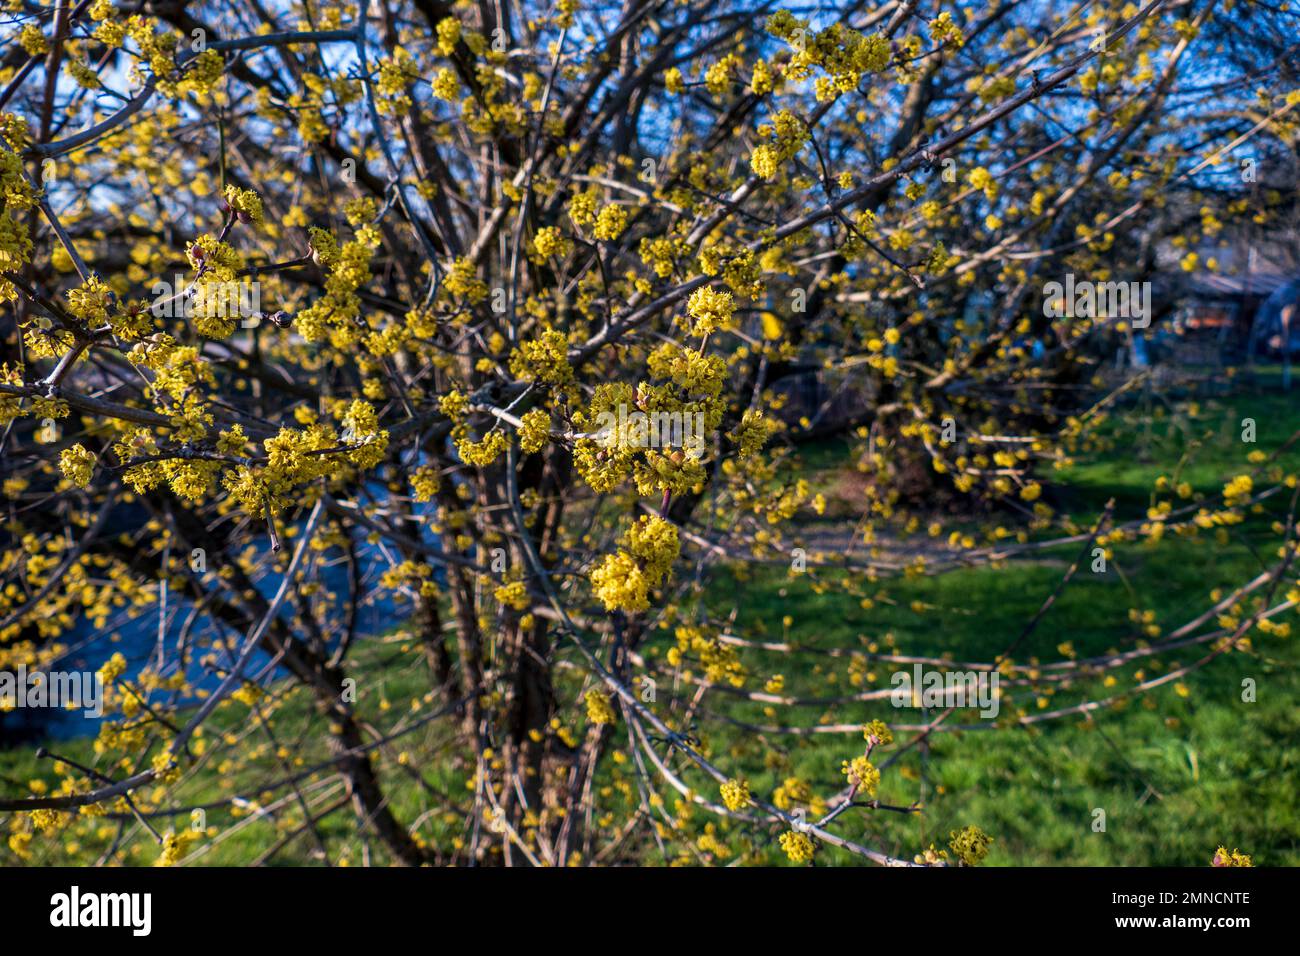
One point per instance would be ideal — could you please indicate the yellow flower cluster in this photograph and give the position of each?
(132, 322)
(84, 75)
(644, 429)
(751, 434)
(453, 404)
(410, 574)
(661, 253)
(1223, 858)
(791, 791)
(513, 594)
(482, 453)
(396, 74)
(982, 179)
(610, 223)
(799, 847)
(112, 669)
(599, 709)
(361, 428)
(48, 821)
(550, 242)
(77, 464)
(566, 9)
(582, 208)
(862, 774)
(218, 260)
(324, 247)
(1238, 491)
(249, 693)
(462, 281)
(426, 482)
(711, 310)
(721, 661)
(970, 844)
(165, 767)
(695, 373)
(943, 30)
(763, 80)
(717, 78)
(543, 359)
(735, 794)
(158, 48)
(89, 301)
(201, 74)
(335, 313)
(33, 41)
(788, 134)
(246, 203)
(842, 52)
(18, 196)
(175, 846)
(293, 458)
(878, 731)
(449, 30)
(445, 85)
(110, 33)
(536, 430)
(624, 580)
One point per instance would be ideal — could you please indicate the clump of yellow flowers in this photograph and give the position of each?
(843, 53)
(862, 775)
(610, 223)
(175, 846)
(543, 359)
(942, 29)
(361, 429)
(549, 241)
(15, 242)
(599, 709)
(535, 430)
(799, 847)
(33, 40)
(970, 844)
(483, 452)
(735, 794)
(1223, 858)
(246, 203)
(77, 464)
(1238, 490)
(426, 482)
(514, 594)
(788, 135)
(878, 734)
(711, 309)
(624, 580)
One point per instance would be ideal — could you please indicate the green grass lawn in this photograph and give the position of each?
(1177, 773)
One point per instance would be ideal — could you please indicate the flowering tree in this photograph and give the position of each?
(497, 307)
